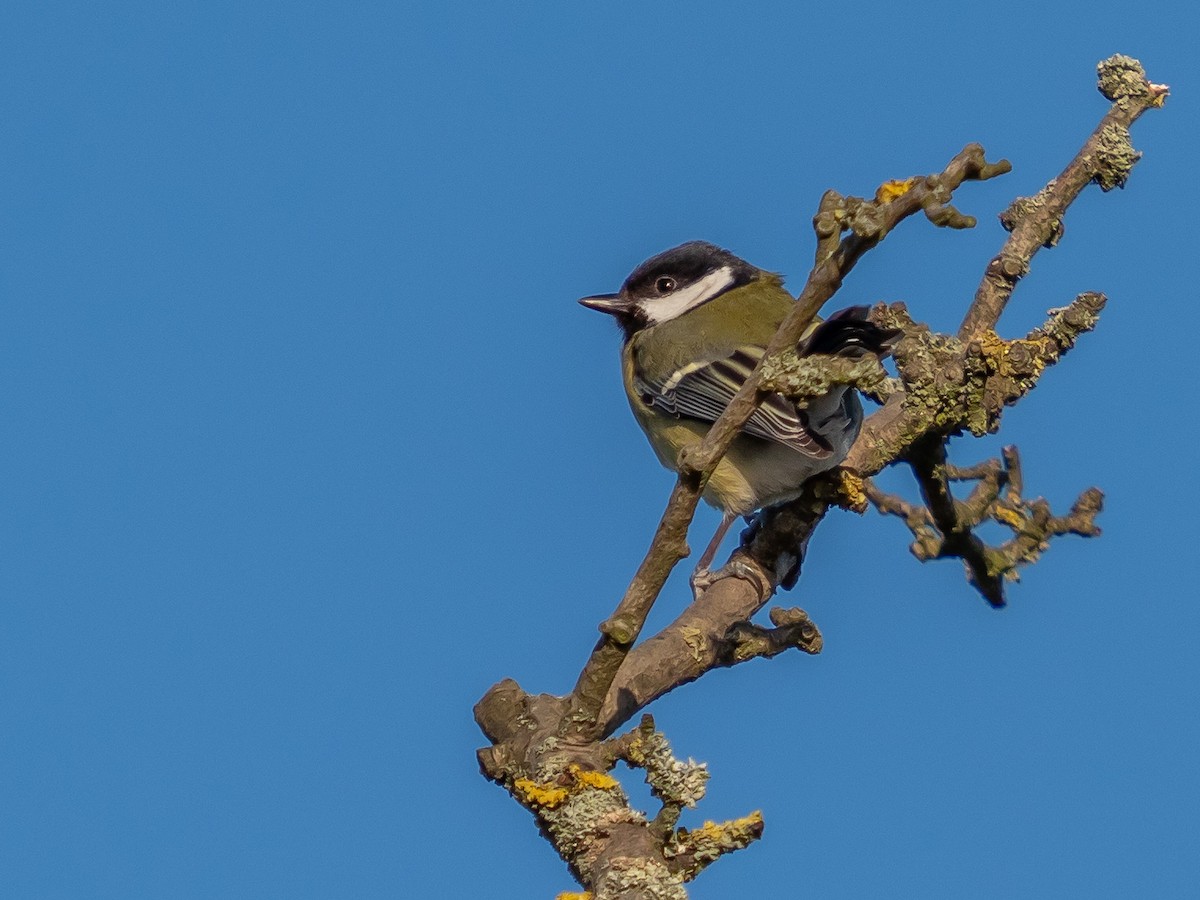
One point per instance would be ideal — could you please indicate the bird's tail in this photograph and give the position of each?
(848, 332)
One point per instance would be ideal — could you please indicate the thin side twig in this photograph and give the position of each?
(1106, 158)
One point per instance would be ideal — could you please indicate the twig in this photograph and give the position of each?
(928, 459)
(1035, 222)
(944, 526)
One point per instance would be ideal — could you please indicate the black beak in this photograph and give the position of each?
(613, 304)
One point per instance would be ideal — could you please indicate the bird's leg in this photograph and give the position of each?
(714, 545)
(701, 578)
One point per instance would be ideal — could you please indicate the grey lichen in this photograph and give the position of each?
(1121, 76)
(573, 811)
(669, 778)
(935, 376)
(1027, 206)
(574, 825)
(955, 387)
(1115, 157)
(625, 878)
(802, 378)
(1066, 323)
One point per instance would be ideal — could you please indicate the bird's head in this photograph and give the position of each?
(673, 283)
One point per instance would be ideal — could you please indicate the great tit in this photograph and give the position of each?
(696, 320)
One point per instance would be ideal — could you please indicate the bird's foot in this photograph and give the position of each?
(704, 578)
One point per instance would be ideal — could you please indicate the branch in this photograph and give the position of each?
(944, 527)
(954, 522)
(1106, 158)
(793, 628)
(867, 222)
(584, 812)
(549, 752)
(712, 632)
(946, 386)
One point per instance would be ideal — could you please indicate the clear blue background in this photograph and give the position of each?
(306, 443)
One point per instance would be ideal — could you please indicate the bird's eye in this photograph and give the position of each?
(664, 285)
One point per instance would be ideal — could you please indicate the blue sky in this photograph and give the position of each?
(306, 443)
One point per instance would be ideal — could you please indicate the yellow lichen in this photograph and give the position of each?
(891, 190)
(992, 344)
(573, 895)
(534, 794)
(550, 795)
(751, 821)
(852, 492)
(734, 829)
(709, 830)
(1008, 516)
(599, 780)
(746, 823)
(1000, 355)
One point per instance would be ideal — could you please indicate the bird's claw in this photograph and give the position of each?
(704, 578)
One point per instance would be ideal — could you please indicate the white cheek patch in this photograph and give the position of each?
(674, 305)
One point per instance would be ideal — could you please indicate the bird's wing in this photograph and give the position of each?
(702, 391)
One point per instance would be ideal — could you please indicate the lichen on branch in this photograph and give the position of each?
(583, 810)
(801, 378)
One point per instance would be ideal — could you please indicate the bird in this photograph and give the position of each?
(695, 321)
